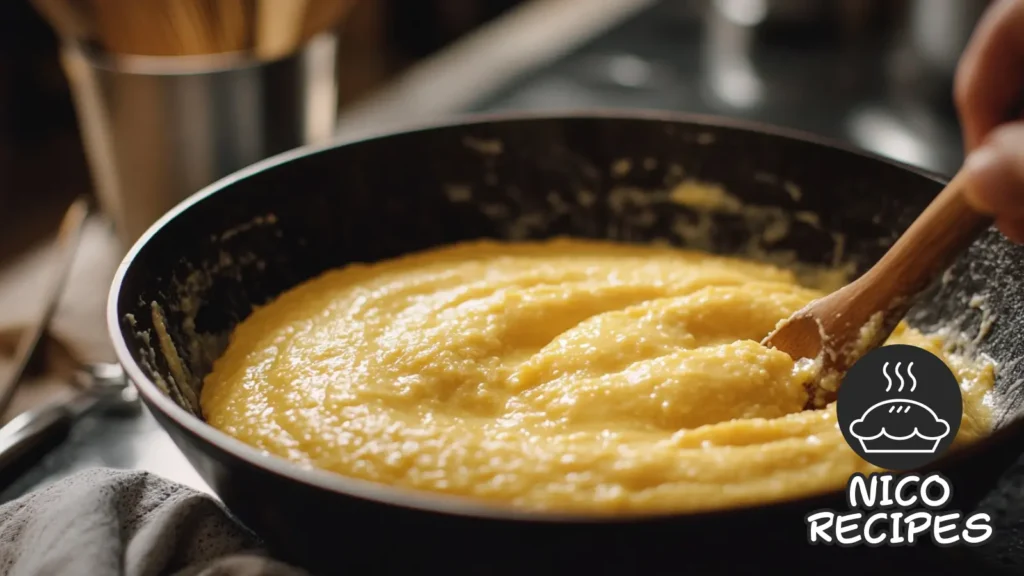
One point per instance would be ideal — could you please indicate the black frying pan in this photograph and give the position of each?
(245, 239)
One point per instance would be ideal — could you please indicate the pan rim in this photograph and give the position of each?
(420, 500)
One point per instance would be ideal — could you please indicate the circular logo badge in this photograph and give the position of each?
(899, 407)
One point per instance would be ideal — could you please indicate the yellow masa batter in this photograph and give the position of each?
(566, 375)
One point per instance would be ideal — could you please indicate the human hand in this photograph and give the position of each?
(989, 86)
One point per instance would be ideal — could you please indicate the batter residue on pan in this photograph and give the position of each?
(566, 375)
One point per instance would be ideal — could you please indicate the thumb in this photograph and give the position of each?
(994, 174)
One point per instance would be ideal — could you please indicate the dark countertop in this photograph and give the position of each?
(860, 90)
(864, 87)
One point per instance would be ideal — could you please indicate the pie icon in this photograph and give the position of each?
(899, 426)
(906, 419)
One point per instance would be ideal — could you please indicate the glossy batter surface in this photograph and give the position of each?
(568, 375)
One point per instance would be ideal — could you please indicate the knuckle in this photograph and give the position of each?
(1009, 138)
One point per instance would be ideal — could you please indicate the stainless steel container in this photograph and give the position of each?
(158, 129)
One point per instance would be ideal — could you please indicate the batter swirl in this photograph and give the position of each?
(562, 375)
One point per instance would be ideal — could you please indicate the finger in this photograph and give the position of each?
(1013, 230)
(994, 173)
(990, 75)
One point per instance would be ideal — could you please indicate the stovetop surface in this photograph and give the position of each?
(669, 57)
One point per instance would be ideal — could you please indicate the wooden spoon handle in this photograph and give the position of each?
(279, 27)
(932, 243)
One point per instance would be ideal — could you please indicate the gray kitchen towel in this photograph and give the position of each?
(128, 523)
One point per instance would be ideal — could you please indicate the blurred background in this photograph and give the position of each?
(39, 130)
(139, 103)
(875, 73)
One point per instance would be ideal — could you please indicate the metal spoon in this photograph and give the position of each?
(33, 433)
(68, 237)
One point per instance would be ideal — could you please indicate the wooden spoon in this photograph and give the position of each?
(279, 27)
(840, 328)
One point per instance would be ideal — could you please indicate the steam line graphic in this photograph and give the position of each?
(913, 380)
(899, 425)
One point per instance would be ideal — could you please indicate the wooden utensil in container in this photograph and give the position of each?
(278, 26)
(171, 27)
(265, 29)
(284, 25)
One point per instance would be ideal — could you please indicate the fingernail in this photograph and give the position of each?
(983, 170)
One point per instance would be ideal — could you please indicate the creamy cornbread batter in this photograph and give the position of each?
(566, 375)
